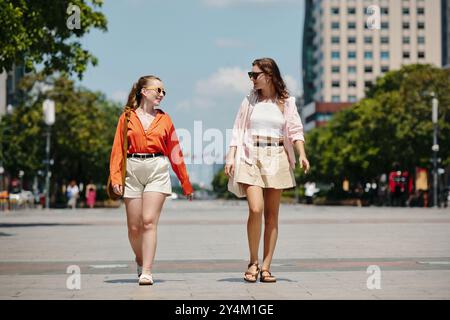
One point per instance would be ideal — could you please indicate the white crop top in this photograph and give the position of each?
(267, 120)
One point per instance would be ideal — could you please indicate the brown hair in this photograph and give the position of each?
(135, 96)
(270, 68)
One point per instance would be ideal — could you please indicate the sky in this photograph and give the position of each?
(202, 50)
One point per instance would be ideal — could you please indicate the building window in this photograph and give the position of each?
(368, 40)
(334, 10)
(352, 69)
(335, 84)
(384, 10)
(352, 98)
(351, 40)
(406, 40)
(368, 69)
(368, 84)
(368, 55)
(352, 84)
(335, 40)
(421, 25)
(335, 98)
(352, 54)
(406, 55)
(385, 25)
(352, 25)
(335, 55)
(421, 55)
(335, 69)
(385, 55)
(384, 40)
(405, 25)
(421, 40)
(351, 10)
(405, 11)
(384, 69)
(421, 11)
(335, 25)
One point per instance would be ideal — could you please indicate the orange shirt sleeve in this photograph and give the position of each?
(176, 159)
(115, 162)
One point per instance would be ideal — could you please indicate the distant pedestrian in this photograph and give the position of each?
(91, 194)
(152, 146)
(73, 193)
(310, 191)
(267, 129)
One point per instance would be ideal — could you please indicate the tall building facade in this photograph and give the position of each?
(446, 33)
(342, 55)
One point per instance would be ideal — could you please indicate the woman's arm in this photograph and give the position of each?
(176, 159)
(115, 163)
(299, 147)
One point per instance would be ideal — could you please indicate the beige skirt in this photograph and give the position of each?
(270, 170)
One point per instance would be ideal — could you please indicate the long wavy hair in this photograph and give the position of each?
(135, 96)
(270, 68)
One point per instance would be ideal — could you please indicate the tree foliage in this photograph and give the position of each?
(36, 32)
(81, 137)
(392, 124)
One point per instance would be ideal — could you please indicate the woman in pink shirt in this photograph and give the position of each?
(261, 158)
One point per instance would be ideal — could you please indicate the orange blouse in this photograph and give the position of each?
(160, 137)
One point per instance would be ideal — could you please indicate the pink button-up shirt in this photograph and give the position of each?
(241, 136)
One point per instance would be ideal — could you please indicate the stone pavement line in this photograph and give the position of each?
(215, 286)
(322, 253)
(215, 266)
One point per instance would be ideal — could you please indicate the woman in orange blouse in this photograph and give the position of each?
(152, 144)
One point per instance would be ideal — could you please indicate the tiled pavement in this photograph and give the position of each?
(322, 253)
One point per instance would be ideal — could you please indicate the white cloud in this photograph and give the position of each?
(292, 85)
(224, 84)
(229, 3)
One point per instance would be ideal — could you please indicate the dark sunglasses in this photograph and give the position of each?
(254, 75)
(158, 89)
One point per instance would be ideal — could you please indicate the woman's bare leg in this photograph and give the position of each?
(152, 206)
(135, 226)
(272, 199)
(256, 206)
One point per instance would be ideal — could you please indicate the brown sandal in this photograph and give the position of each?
(253, 274)
(269, 278)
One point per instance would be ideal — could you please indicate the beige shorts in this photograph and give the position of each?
(145, 175)
(270, 170)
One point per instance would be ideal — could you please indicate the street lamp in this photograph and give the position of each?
(435, 148)
(9, 110)
(49, 118)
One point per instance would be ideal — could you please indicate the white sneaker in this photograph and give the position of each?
(145, 280)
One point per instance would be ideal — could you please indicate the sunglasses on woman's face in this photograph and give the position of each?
(158, 89)
(254, 75)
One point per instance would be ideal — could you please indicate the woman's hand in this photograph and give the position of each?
(118, 189)
(229, 168)
(304, 163)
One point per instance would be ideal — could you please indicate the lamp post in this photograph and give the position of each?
(9, 110)
(435, 148)
(49, 118)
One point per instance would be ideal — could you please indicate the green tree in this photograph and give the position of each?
(82, 135)
(36, 32)
(392, 124)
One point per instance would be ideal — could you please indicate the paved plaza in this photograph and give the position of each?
(322, 253)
